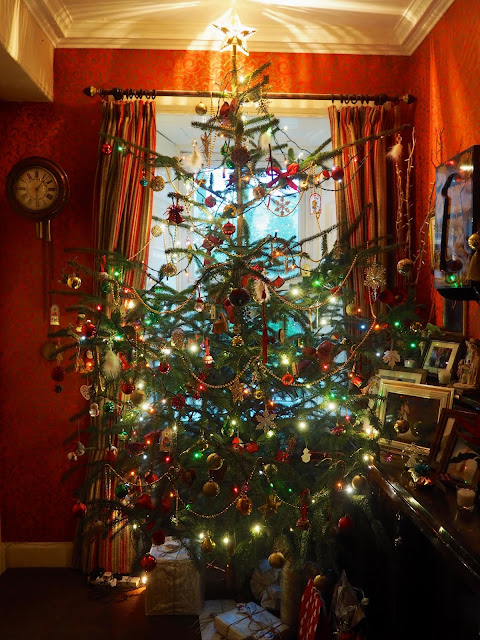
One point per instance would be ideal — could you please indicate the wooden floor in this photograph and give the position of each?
(58, 604)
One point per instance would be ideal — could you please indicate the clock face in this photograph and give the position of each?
(37, 188)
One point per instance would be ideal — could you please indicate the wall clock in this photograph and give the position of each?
(37, 188)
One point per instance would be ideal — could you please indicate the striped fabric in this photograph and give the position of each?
(364, 183)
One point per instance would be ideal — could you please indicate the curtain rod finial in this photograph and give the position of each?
(90, 91)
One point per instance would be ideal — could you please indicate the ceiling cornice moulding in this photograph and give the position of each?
(417, 22)
(52, 16)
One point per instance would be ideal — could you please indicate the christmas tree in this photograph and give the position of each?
(233, 415)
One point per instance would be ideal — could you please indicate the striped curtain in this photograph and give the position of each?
(123, 215)
(364, 183)
(124, 207)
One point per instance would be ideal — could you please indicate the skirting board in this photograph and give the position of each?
(38, 554)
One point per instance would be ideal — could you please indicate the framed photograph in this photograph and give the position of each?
(461, 456)
(455, 317)
(441, 354)
(409, 413)
(404, 374)
(450, 419)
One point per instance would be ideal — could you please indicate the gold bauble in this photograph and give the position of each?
(401, 426)
(276, 560)
(229, 210)
(208, 545)
(178, 338)
(304, 185)
(405, 267)
(157, 183)
(474, 241)
(214, 461)
(211, 489)
(352, 309)
(321, 582)
(259, 395)
(169, 269)
(138, 397)
(202, 444)
(244, 505)
(156, 230)
(237, 341)
(359, 482)
(74, 282)
(201, 109)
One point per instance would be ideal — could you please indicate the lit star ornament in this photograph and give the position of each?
(235, 34)
(270, 507)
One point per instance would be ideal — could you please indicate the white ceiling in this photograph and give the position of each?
(316, 26)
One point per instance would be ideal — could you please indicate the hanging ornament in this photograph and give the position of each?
(208, 545)
(270, 507)
(359, 482)
(143, 180)
(276, 560)
(266, 420)
(178, 338)
(174, 212)
(193, 163)
(352, 309)
(74, 281)
(201, 109)
(251, 447)
(228, 229)
(58, 374)
(111, 366)
(188, 476)
(138, 397)
(79, 509)
(240, 156)
(210, 201)
(148, 562)
(303, 522)
(89, 330)
(244, 505)
(127, 388)
(306, 457)
(375, 276)
(151, 477)
(169, 270)
(207, 358)
(315, 204)
(237, 391)
(158, 538)
(346, 523)
(237, 341)
(178, 401)
(94, 410)
(156, 231)
(405, 267)
(157, 183)
(86, 391)
(391, 357)
(164, 367)
(107, 148)
(229, 210)
(111, 453)
(166, 440)
(401, 426)
(288, 379)
(211, 489)
(337, 174)
(214, 461)
(108, 406)
(258, 192)
(239, 297)
(321, 582)
(199, 305)
(121, 490)
(54, 315)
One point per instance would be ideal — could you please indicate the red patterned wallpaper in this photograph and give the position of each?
(35, 506)
(445, 79)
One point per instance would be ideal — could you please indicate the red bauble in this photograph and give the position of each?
(251, 447)
(151, 477)
(158, 537)
(304, 524)
(239, 297)
(107, 148)
(228, 229)
(79, 509)
(144, 501)
(89, 330)
(164, 367)
(178, 401)
(346, 523)
(58, 374)
(337, 173)
(148, 562)
(128, 388)
(210, 201)
(166, 504)
(326, 174)
(287, 379)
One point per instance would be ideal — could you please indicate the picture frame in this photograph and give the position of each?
(404, 374)
(461, 457)
(442, 354)
(450, 419)
(455, 317)
(417, 406)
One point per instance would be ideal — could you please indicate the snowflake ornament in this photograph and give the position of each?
(266, 421)
(391, 357)
(375, 276)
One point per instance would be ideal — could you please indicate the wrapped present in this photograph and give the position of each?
(250, 622)
(175, 586)
(211, 608)
(265, 586)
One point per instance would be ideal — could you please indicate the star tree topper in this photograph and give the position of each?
(235, 33)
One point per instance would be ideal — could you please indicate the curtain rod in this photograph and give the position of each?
(346, 98)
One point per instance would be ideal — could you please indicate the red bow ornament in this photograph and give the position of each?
(287, 175)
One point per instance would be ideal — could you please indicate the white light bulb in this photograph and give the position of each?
(302, 425)
(226, 540)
